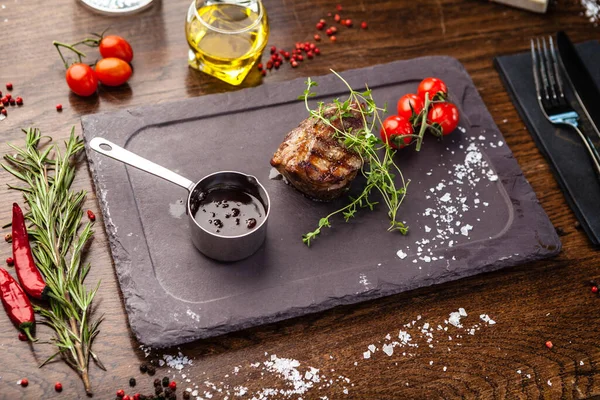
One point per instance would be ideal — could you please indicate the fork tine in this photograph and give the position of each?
(534, 62)
(542, 70)
(550, 70)
(559, 85)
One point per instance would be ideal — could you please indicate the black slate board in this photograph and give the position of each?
(560, 144)
(173, 294)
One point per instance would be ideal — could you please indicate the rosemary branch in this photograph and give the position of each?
(380, 171)
(58, 242)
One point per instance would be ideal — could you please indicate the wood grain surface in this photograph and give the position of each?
(533, 303)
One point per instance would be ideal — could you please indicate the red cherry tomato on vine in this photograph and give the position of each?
(82, 79)
(445, 115)
(116, 46)
(394, 128)
(408, 104)
(113, 71)
(433, 86)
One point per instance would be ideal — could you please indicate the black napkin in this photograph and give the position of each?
(562, 146)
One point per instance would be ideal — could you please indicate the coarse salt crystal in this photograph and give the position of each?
(454, 319)
(388, 349)
(372, 348)
(445, 198)
(464, 230)
(402, 255)
(367, 355)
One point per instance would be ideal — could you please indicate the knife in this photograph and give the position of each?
(586, 92)
(539, 6)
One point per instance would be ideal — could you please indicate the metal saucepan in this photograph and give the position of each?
(217, 246)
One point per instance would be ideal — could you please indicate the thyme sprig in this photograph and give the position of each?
(58, 242)
(378, 158)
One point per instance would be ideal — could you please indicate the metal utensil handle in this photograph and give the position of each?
(112, 150)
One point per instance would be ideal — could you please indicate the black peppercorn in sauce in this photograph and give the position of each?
(229, 212)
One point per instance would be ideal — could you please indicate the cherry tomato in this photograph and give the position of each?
(445, 115)
(410, 104)
(394, 127)
(434, 87)
(113, 71)
(116, 46)
(82, 79)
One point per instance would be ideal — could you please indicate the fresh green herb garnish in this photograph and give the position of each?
(58, 242)
(379, 170)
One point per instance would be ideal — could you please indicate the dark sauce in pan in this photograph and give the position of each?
(229, 212)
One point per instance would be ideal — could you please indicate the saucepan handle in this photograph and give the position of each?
(112, 150)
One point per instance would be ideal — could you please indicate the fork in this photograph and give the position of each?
(551, 96)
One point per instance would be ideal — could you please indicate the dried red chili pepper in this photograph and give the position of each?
(27, 272)
(17, 304)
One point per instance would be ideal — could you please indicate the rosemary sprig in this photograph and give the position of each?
(58, 244)
(380, 171)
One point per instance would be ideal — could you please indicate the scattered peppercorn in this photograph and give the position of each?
(8, 96)
(549, 344)
(577, 225)
(337, 18)
(8, 237)
(132, 382)
(168, 391)
(363, 25)
(13, 102)
(317, 37)
(19, 101)
(559, 231)
(10, 262)
(137, 396)
(126, 397)
(9, 86)
(348, 23)
(3, 111)
(157, 382)
(151, 370)
(594, 289)
(120, 393)
(338, 7)
(158, 390)
(333, 38)
(186, 395)
(165, 381)
(143, 368)
(91, 215)
(173, 385)
(23, 382)
(58, 387)
(59, 107)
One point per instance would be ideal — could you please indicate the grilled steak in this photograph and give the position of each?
(314, 161)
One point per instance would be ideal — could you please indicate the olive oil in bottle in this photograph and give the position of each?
(226, 37)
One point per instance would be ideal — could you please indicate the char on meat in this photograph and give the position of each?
(314, 161)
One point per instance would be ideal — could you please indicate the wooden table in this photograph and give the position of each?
(533, 303)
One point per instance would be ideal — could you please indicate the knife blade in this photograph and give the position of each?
(586, 92)
(539, 6)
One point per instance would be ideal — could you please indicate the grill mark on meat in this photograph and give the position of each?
(314, 161)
